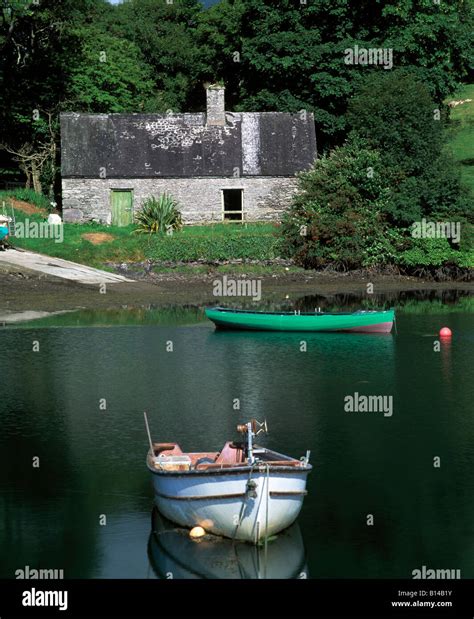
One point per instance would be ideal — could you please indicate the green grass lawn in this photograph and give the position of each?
(125, 246)
(213, 242)
(462, 134)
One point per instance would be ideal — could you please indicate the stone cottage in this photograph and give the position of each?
(218, 165)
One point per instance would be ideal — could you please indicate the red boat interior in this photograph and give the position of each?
(232, 454)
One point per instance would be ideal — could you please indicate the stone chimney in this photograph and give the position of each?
(215, 105)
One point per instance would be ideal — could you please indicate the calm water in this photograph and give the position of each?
(92, 460)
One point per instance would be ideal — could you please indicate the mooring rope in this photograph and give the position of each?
(266, 523)
(243, 502)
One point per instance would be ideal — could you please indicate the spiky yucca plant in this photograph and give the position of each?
(159, 215)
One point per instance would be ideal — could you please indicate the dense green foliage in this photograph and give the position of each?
(396, 115)
(338, 217)
(291, 54)
(110, 75)
(39, 44)
(159, 216)
(435, 252)
(165, 34)
(358, 204)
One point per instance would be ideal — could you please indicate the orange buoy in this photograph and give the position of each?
(445, 332)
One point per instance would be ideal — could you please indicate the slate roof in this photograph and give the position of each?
(182, 145)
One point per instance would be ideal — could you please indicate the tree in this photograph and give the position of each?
(218, 41)
(110, 75)
(32, 161)
(291, 54)
(37, 42)
(337, 217)
(164, 34)
(395, 114)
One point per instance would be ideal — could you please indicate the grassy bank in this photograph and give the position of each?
(462, 134)
(121, 245)
(96, 245)
(38, 200)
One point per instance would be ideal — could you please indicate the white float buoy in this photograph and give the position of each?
(197, 532)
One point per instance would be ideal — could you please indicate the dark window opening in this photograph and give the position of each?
(233, 204)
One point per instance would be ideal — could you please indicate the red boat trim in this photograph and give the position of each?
(380, 327)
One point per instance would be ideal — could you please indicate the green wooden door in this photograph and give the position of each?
(122, 207)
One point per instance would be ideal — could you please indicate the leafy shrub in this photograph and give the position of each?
(336, 219)
(435, 252)
(158, 215)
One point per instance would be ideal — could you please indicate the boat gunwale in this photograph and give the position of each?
(292, 313)
(233, 470)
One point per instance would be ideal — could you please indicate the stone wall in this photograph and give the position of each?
(200, 199)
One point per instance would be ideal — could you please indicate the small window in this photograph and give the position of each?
(232, 199)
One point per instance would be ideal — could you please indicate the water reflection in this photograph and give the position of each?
(445, 348)
(330, 341)
(173, 554)
(414, 300)
(179, 315)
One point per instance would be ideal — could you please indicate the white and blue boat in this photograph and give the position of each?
(244, 492)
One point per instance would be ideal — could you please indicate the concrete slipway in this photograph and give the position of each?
(57, 267)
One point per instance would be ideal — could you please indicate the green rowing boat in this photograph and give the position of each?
(357, 322)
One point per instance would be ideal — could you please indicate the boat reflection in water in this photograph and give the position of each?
(174, 554)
